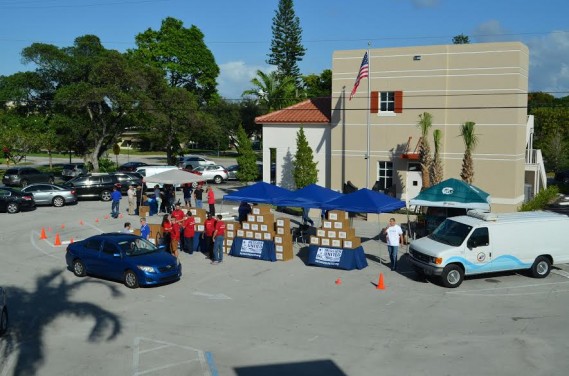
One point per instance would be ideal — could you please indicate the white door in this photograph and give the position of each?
(414, 181)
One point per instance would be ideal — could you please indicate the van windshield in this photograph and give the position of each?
(451, 232)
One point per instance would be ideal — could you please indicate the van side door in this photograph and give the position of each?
(479, 251)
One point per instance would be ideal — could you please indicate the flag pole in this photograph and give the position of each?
(368, 115)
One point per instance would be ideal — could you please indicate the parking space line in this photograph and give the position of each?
(35, 235)
(560, 272)
(481, 292)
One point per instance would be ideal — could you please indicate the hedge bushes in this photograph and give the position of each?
(541, 200)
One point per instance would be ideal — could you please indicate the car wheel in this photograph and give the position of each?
(106, 195)
(24, 183)
(195, 185)
(79, 268)
(130, 279)
(12, 208)
(452, 276)
(51, 180)
(217, 179)
(4, 321)
(58, 201)
(541, 267)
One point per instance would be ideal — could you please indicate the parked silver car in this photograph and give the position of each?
(51, 194)
(216, 173)
(3, 312)
(190, 162)
(71, 170)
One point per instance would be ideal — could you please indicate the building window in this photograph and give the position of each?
(384, 175)
(387, 101)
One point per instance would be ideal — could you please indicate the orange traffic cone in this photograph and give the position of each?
(339, 281)
(71, 240)
(43, 235)
(380, 285)
(107, 216)
(57, 239)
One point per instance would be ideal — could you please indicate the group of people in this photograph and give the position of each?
(178, 233)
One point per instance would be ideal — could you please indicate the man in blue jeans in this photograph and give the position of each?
(394, 237)
(116, 197)
(218, 237)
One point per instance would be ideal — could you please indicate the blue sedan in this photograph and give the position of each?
(123, 257)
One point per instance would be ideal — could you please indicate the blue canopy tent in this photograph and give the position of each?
(261, 193)
(311, 196)
(364, 201)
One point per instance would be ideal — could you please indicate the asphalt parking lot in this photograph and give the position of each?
(248, 318)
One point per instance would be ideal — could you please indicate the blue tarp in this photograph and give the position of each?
(311, 196)
(364, 201)
(261, 192)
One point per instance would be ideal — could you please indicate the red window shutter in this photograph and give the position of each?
(398, 102)
(374, 102)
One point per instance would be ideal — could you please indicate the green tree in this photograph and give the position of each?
(182, 55)
(437, 174)
(470, 141)
(286, 46)
(318, 85)
(425, 159)
(247, 159)
(305, 171)
(461, 39)
(272, 92)
(551, 134)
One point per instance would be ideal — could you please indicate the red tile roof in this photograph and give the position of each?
(315, 110)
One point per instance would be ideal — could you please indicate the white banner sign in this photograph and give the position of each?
(329, 256)
(252, 248)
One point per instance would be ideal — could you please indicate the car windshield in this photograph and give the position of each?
(200, 168)
(137, 247)
(451, 232)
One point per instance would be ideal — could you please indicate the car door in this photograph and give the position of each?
(110, 261)
(478, 251)
(36, 191)
(89, 255)
(4, 198)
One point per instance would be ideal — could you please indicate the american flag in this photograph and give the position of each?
(363, 73)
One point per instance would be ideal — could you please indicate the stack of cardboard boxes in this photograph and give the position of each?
(259, 224)
(336, 232)
(283, 240)
(231, 228)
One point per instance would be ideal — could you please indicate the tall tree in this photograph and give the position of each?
(437, 173)
(247, 159)
(470, 141)
(461, 39)
(425, 159)
(272, 91)
(182, 55)
(286, 45)
(305, 171)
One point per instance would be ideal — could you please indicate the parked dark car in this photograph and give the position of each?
(51, 194)
(131, 166)
(3, 312)
(12, 200)
(101, 185)
(562, 176)
(71, 170)
(123, 257)
(22, 176)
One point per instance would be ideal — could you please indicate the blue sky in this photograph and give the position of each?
(238, 32)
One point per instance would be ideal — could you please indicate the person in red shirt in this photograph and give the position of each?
(209, 228)
(218, 236)
(178, 216)
(175, 239)
(166, 231)
(211, 200)
(189, 232)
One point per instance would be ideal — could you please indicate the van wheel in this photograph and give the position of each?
(541, 267)
(452, 276)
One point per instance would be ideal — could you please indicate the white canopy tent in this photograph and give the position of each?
(174, 177)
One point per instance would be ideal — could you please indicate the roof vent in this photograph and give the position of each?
(483, 215)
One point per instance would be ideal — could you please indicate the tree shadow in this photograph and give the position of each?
(31, 313)
(287, 176)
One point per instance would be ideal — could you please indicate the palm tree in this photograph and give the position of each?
(437, 172)
(470, 142)
(425, 159)
(272, 91)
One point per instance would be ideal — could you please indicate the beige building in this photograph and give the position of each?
(486, 83)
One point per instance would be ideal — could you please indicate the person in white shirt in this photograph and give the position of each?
(394, 237)
(131, 194)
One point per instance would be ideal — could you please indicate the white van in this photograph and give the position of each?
(481, 242)
(147, 171)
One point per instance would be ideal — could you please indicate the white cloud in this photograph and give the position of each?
(235, 77)
(549, 63)
(490, 31)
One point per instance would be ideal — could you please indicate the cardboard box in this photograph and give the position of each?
(337, 243)
(280, 256)
(327, 224)
(229, 242)
(338, 225)
(331, 234)
(346, 233)
(268, 219)
(240, 233)
(283, 222)
(144, 211)
(325, 241)
(229, 234)
(286, 250)
(254, 227)
(136, 231)
(200, 228)
(264, 227)
(232, 226)
(337, 215)
(321, 233)
(267, 236)
(278, 239)
(249, 234)
(258, 235)
(281, 230)
(353, 242)
(246, 226)
(251, 218)
(198, 220)
(261, 209)
(315, 240)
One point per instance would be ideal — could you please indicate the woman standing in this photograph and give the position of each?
(166, 230)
